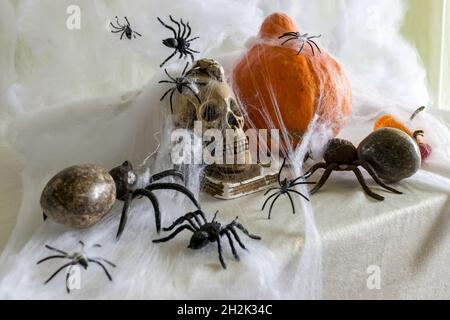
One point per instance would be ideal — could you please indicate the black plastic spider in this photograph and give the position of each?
(126, 180)
(180, 41)
(342, 155)
(180, 83)
(286, 186)
(76, 258)
(205, 232)
(125, 29)
(303, 38)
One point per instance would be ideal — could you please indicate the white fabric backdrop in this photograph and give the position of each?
(83, 96)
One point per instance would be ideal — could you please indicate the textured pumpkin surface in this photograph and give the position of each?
(281, 89)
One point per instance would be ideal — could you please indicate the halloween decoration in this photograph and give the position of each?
(342, 155)
(181, 40)
(81, 196)
(215, 107)
(181, 83)
(282, 90)
(205, 232)
(388, 121)
(285, 188)
(124, 29)
(76, 258)
(303, 39)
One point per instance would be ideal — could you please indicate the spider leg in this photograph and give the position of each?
(233, 249)
(184, 29)
(121, 37)
(166, 81)
(312, 48)
(313, 170)
(193, 92)
(301, 183)
(57, 250)
(140, 35)
(112, 25)
(270, 190)
(292, 202)
(185, 68)
(192, 56)
(102, 266)
(188, 217)
(175, 233)
(167, 173)
(219, 249)
(124, 216)
(300, 194)
(288, 40)
(168, 27)
(375, 177)
(165, 94)
(148, 194)
(50, 258)
(301, 48)
(324, 178)
(178, 25)
(189, 30)
(236, 236)
(170, 77)
(267, 200)
(190, 40)
(201, 214)
(67, 281)
(104, 260)
(289, 34)
(118, 31)
(170, 57)
(175, 187)
(71, 263)
(365, 187)
(314, 37)
(315, 45)
(271, 206)
(171, 101)
(128, 22)
(118, 22)
(281, 170)
(236, 224)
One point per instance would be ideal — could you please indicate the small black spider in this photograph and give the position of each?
(125, 29)
(205, 232)
(303, 38)
(76, 258)
(286, 186)
(180, 83)
(181, 40)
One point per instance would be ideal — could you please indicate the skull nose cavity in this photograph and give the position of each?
(233, 121)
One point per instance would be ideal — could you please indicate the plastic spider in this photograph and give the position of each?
(76, 258)
(205, 232)
(181, 40)
(126, 180)
(125, 29)
(286, 186)
(342, 155)
(303, 38)
(180, 83)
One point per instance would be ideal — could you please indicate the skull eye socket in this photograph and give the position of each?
(210, 113)
(232, 121)
(235, 109)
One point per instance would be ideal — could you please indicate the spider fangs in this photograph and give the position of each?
(125, 29)
(181, 40)
(285, 188)
(342, 155)
(76, 258)
(303, 38)
(180, 83)
(205, 232)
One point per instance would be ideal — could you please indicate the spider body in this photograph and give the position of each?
(286, 188)
(181, 40)
(81, 196)
(342, 155)
(180, 83)
(303, 39)
(125, 29)
(76, 258)
(205, 232)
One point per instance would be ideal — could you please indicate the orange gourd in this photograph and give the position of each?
(280, 89)
(388, 121)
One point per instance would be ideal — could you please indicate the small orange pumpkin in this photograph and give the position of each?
(279, 88)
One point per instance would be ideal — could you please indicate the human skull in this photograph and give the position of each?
(212, 102)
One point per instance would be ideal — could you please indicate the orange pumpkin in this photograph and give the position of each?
(280, 89)
(388, 121)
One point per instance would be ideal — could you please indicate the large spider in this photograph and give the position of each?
(285, 187)
(205, 232)
(76, 258)
(181, 40)
(303, 38)
(342, 155)
(126, 190)
(125, 29)
(180, 83)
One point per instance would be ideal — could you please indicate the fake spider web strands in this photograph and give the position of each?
(107, 111)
